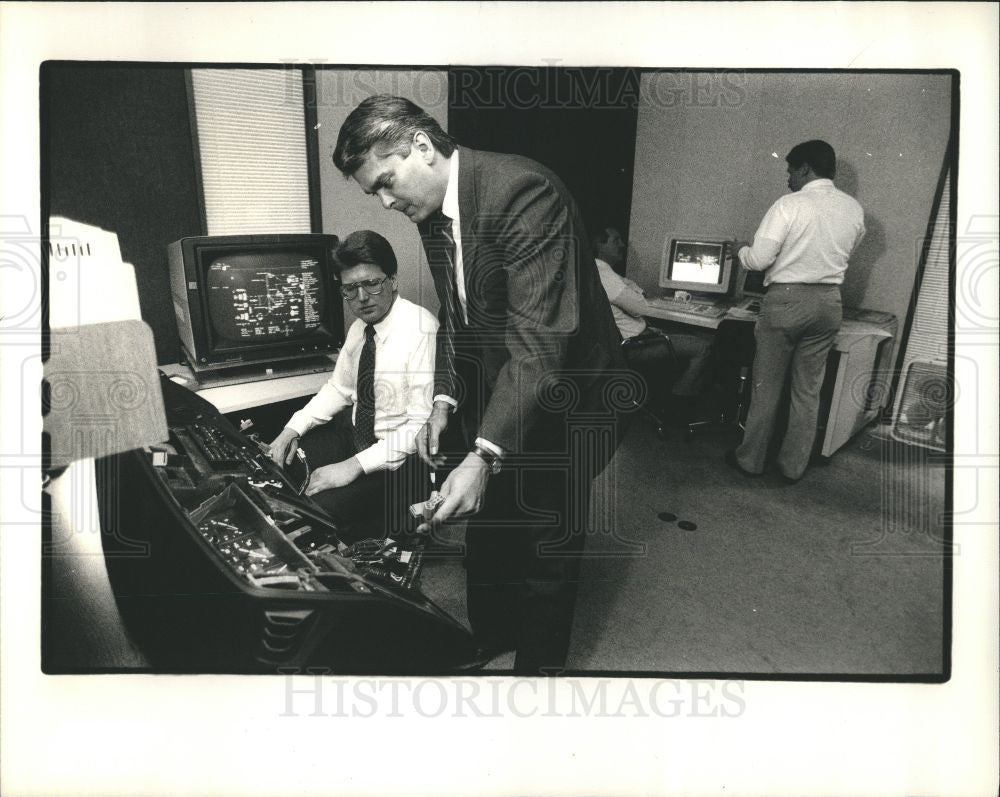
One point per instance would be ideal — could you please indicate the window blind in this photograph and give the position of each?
(252, 148)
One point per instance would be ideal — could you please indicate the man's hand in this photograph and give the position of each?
(430, 433)
(463, 490)
(339, 474)
(284, 447)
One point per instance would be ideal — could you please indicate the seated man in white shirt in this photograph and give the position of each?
(359, 431)
(653, 356)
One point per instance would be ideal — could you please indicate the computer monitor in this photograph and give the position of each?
(245, 300)
(698, 265)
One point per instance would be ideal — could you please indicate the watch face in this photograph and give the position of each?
(492, 461)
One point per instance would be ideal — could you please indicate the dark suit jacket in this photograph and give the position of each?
(540, 335)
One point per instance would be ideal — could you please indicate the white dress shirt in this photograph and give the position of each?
(807, 236)
(628, 302)
(404, 381)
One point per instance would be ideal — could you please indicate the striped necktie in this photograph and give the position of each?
(452, 319)
(364, 416)
(450, 257)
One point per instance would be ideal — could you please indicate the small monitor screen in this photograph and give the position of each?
(698, 265)
(694, 261)
(264, 297)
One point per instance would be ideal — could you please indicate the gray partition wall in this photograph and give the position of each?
(710, 150)
(344, 207)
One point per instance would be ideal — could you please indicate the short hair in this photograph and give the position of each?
(365, 246)
(819, 156)
(387, 122)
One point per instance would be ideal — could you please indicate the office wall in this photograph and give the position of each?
(117, 153)
(578, 121)
(710, 151)
(345, 207)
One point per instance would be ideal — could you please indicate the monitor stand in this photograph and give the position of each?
(238, 375)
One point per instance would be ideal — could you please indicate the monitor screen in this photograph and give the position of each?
(253, 299)
(703, 266)
(261, 298)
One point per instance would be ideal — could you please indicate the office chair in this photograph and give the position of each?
(632, 348)
(734, 349)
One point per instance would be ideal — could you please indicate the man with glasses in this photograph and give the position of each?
(359, 430)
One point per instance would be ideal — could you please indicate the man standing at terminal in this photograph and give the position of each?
(527, 356)
(803, 245)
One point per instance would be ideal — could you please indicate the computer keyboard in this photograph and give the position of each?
(691, 307)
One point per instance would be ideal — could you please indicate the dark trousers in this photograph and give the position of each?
(524, 546)
(653, 357)
(522, 565)
(374, 504)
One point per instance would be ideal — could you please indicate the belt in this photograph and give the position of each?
(806, 284)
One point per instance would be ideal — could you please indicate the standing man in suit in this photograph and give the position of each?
(802, 246)
(527, 361)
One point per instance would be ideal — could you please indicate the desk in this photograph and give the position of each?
(691, 319)
(857, 325)
(247, 395)
(856, 387)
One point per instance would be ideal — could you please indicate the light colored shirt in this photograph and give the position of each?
(404, 381)
(628, 302)
(449, 207)
(807, 236)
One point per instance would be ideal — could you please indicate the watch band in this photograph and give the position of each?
(492, 460)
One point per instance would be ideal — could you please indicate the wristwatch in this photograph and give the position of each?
(492, 460)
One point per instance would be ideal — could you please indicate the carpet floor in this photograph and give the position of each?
(694, 568)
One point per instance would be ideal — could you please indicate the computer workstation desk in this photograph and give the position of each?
(856, 386)
(858, 322)
(247, 395)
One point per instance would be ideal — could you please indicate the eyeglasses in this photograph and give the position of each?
(372, 288)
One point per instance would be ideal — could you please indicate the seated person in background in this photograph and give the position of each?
(628, 304)
(358, 431)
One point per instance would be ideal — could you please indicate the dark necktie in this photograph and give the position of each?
(451, 316)
(450, 258)
(364, 416)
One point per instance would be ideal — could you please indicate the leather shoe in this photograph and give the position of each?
(789, 479)
(730, 457)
